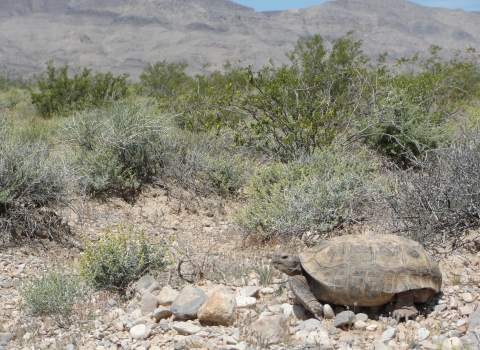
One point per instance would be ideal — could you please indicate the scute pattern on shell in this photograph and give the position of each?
(370, 269)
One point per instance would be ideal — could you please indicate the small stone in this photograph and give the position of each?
(310, 325)
(160, 314)
(333, 330)
(371, 327)
(186, 304)
(422, 334)
(244, 302)
(452, 344)
(455, 334)
(360, 325)
(474, 319)
(465, 310)
(146, 284)
(219, 307)
(380, 345)
(148, 303)
(361, 317)
(166, 296)
(250, 291)
(461, 322)
(389, 334)
(70, 347)
(441, 307)
(453, 303)
(267, 290)
(185, 328)
(271, 329)
(467, 297)
(328, 312)
(140, 331)
(344, 318)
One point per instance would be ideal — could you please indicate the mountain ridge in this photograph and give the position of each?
(123, 35)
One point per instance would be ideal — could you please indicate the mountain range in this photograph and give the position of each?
(123, 35)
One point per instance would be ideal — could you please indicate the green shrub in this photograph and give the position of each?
(57, 93)
(116, 147)
(53, 294)
(205, 163)
(32, 183)
(122, 256)
(319, 193)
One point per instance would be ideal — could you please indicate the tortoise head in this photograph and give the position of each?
(286, 263)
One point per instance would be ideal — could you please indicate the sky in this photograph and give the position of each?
(276, 5)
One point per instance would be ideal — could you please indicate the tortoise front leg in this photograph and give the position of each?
(404, 306)
(300, 287)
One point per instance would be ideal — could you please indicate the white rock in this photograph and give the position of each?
(267, 290)
(422, 334)
(467, 297)
(380, 345)
(185, 328)
(453, 303)
(372, 327)
(452, 344)
(328, 312)
(360, 325)
(466, 310)
(140, 331)
(243, 302)
(167, 295)
(389, 334)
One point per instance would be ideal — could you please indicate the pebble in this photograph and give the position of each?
(422, 334)
(328, 312)
(389, 334)
(361, 317)
(441, 307)
(344, 318)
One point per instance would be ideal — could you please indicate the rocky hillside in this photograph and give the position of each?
(121, 36)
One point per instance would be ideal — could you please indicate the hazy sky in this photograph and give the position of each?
(271, 5)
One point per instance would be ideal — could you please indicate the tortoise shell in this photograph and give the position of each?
(368, 270)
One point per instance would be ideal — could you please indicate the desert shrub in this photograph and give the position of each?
(290, 111)
(416, 102)
(439, 201)
(205, 163)
(120, 257)
(164, 80)
(57, 93)
(32, 181)
(53, 294)
(319, 193)
(116, 147)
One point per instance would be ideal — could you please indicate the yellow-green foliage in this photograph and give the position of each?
(119, 258)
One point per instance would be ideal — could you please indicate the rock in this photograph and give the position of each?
(250, 291)
(187, 303)
(465, 310)
(422, 334)
(360, 325)
(147, 284)
(371, 327)
(195, 342)
(267, 290)
(185, 328)
(453, 303)
(452, 344)
(361, 317)
(319, 339)
(455, 334)
(333, 330)
(244, 302)
(328, 312)
(441, 307)
(70, 346)
(471, 340)
(462, 322)
(166, 296)
(344, 318)
(219, 307)
(311, 324)
(467, 297)
(140, 331)
(148, 303)
(379, 345)
(389, 334)
(6, 337)
(474, 320)
(160, 314)
(270, 330)
(438, 339)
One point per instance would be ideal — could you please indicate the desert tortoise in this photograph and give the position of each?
(364, 270)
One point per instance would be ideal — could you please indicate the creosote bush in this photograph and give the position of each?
(53, 294)
(319, 193)
(120, 257)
